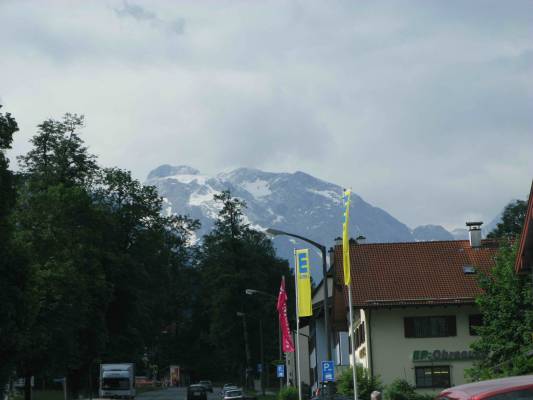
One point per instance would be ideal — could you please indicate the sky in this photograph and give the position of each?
(424, 108)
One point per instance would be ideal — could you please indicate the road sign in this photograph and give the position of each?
(280, 371)
(328, 371)
(259, 368)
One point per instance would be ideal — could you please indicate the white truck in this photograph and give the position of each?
(117, 381)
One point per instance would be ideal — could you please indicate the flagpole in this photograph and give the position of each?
(299, 383)
(352, 334)
(348, 281)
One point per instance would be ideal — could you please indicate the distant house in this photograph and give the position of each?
(414, 307)
(524, 258)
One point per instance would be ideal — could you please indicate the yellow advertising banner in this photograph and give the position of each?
(305, 307)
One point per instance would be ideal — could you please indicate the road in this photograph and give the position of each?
(174, 394)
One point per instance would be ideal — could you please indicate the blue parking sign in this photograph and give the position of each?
(328, 371)
(280, 371)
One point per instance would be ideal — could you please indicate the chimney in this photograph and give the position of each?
(361, 239)
(474, 232)
(331, 253)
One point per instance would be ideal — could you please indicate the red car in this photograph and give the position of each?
(515, 388)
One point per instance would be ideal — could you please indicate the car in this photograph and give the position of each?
(208, 385)
(233, 394)
(196, 392)
(226, 387)
(513, 388)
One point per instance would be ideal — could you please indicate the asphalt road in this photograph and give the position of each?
(174, 394)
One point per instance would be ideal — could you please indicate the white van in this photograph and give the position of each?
(117, 381)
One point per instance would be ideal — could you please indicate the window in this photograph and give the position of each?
(115, 383)
(425, 327)
(360, 335)
(432, 377)
(474, 321)
(526, 394)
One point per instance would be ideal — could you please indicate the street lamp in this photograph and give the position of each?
(252, 292)
(322, 248)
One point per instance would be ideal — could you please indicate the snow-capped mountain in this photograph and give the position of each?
(294, 202)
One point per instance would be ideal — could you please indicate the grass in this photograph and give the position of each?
(48, 395)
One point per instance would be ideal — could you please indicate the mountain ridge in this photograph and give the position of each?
(294, 202)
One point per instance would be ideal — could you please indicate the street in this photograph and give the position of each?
(174, 394)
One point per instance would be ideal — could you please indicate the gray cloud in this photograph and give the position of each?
(135, 11)
(423, 108)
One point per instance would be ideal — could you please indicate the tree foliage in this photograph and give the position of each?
(13, 276)
(366, 384)
(104, 266)
(507, 308)
(400, 389)
(512, 221)
(235, 257)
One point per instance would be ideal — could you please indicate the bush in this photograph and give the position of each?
(288, 393)
(365, 384)
(400, 389)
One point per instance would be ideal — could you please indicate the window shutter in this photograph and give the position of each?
(451, 325)
(409, 327)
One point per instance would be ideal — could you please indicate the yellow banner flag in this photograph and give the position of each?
(303, 271)
(346, 238)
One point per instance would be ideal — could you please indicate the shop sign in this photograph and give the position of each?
(443, 355)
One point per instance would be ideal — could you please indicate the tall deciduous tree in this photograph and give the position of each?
(59, 229)
(105, 264)
(507, 308)
(512, 220)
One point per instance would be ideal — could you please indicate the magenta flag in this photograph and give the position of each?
(288, 344)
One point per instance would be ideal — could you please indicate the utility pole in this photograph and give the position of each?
(246, 349)
(262, 356)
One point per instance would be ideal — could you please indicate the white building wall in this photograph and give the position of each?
(392, 352)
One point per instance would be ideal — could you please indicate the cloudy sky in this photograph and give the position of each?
(424, 108)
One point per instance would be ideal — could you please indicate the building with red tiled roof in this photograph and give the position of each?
(524, 258)
(414, 306)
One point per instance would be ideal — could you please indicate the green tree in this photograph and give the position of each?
(13, 276)
(147, 262)
(58, 229)
(512, 220)
(107, 270)
(506, 305)
(235, 257)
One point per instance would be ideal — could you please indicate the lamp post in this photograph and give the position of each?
(252, 292)
(322, 248)
(246, 348)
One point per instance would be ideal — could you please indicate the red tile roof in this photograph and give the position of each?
(414, 273)
(524, 258)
